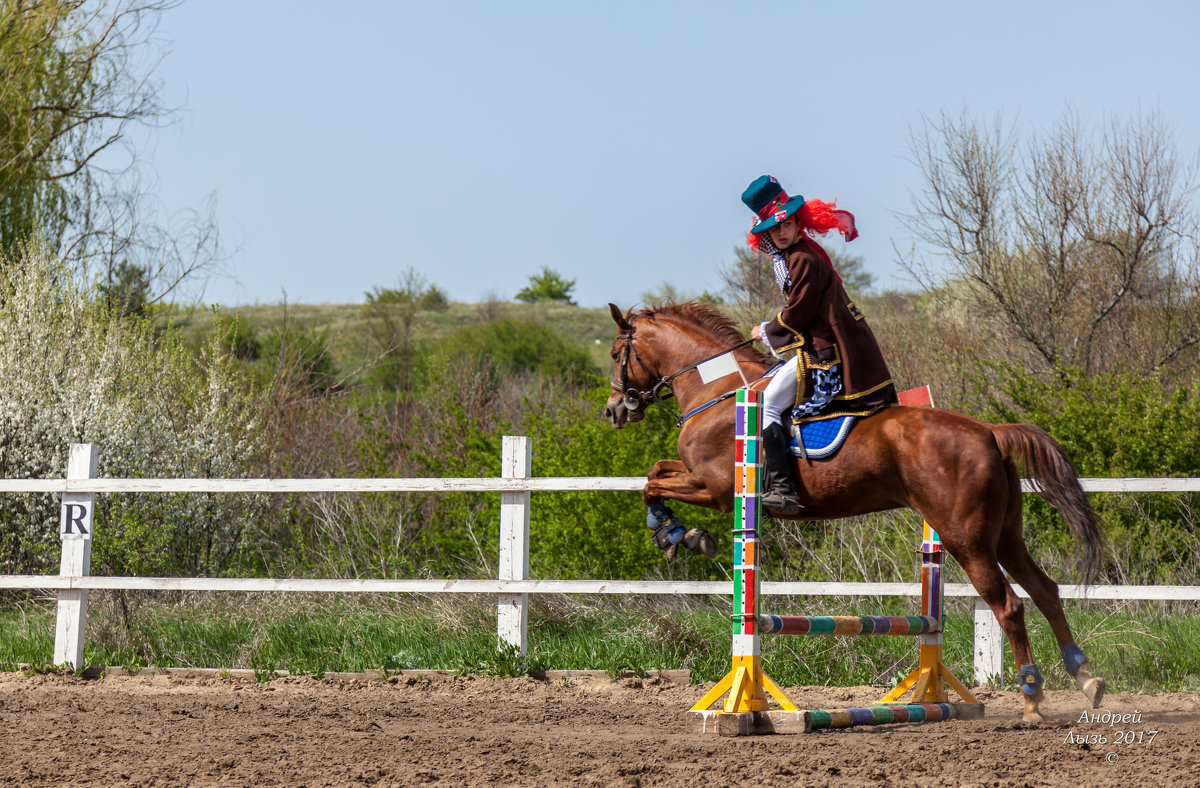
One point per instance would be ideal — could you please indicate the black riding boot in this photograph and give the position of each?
(781, 499)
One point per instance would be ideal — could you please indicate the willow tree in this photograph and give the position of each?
(76, 79)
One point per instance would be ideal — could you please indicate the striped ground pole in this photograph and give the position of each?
(847, 625)
(882, 715)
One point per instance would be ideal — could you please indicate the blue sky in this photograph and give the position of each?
(478, 142)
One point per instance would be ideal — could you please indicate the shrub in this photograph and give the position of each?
(73, 371)
(1116, 425)
(239, 336)
(603, 534)
(547, 285)
(513, 348)
(300, 356)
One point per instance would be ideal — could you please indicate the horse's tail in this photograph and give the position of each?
(1046, 463)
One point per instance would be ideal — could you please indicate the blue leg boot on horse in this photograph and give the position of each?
(668, 532)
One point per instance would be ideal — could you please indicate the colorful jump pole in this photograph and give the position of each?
(930, 701)
(745, 709)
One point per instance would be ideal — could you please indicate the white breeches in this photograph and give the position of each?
(780, 395)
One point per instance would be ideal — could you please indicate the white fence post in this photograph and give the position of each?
(75, 528)
(989, 645)
(512, 610)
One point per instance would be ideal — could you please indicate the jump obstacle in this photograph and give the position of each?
(746, 686)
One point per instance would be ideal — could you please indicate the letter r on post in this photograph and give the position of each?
(76, 520)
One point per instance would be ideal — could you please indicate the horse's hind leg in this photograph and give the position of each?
(1015, 558)
(984, 573)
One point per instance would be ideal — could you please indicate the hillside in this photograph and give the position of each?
(352, 330)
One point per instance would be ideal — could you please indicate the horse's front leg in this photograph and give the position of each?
(671, 479)
(674, 480)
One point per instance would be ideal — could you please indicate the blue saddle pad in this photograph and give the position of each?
(821, 438)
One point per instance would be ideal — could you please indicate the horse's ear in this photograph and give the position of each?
(618, 317)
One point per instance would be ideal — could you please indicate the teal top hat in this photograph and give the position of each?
(770, 203)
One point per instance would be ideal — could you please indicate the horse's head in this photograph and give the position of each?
(652, 358)
(634, 384)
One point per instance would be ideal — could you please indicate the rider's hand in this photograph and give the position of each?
(756, 333)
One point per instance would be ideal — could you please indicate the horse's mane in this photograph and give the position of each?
(707, 317)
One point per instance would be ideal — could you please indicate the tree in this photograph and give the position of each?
(857, 280)
(76, 77)
(1078, 248)
(547, 285)
(753, 295)
(390, 313)
(750, 287)
(125, 290)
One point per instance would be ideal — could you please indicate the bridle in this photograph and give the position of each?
(632, 398)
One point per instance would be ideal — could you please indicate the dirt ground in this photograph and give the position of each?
(157, 730)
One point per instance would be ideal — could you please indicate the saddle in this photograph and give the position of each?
(821, 438)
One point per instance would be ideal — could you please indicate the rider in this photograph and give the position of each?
(837, 357)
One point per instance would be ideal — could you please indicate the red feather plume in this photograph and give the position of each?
(819, 217)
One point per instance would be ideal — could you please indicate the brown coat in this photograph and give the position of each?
(824, 326)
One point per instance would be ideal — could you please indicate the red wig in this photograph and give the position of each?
(817, 217)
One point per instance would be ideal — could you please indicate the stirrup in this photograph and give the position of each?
(781, 503)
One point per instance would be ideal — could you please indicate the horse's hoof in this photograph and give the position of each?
(1032, 705)
(1032, 713)
(1093, 686)
(1094, 690)
(701, 542)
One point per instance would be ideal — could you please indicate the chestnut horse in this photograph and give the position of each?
(958, 473)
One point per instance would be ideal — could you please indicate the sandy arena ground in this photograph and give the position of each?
(154, 730)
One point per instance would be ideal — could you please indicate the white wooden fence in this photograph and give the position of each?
(512, 586)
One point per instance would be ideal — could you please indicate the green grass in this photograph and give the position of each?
(1135, 650)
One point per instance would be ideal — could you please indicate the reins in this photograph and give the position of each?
(715, 400)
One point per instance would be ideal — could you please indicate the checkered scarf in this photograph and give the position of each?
(778, 262)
